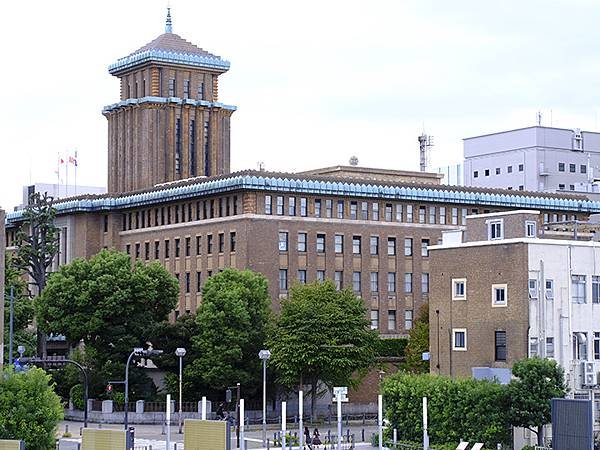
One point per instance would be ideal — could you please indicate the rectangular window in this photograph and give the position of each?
(475, 174)
(408, 244)
(320, 243)
(487, 172)
(391, 282)
(283, 279)
(425, 247)
(495, 229)
(497, 170)
(188, 246)
(374, 319)
(172, 87)
(156, 249)
(530, 229)
(561, 166)
(198, 282)
(388, 212)
(302, 242)
(329, 208)
(186, 88)
(209, 244)
(167, 249)
(459, 288)
(374, 247)
(596, 345)
(459, 339)
(268, 204)
(463, 216)
(398, 213)
(356, 282)
(533, 288)
(432, 214)
(292, 206)
(356, 245)
(221, 242)
(549, 290)
(391, 320)
(578, 289)
(442, 215)
(302, 276)
(391, 246)
(178, 146)
(583, 168)
(499, 295)
(500, 346)
(424, 283)
(595, 289)
(320, 276)
(561, 186)
(521, 167)
(339, 243)
(198, 245)
(146, 250)
(409, 213)
(407, 283)
(408, 319)
(232, 241)
(572, 168)
(374, 281)
(422, 213)
(303, 207)
(280, 205)
(509, 169)
(338, 278)
(187, 283)
(454, 219)
(317, 207)
(177, 248)
(340, 209)
(201, 90)
(364, 210)
(375, 211)
(283, 241)
(549, 347)
(353, 210)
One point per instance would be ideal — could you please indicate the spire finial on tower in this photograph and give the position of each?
(169, 24)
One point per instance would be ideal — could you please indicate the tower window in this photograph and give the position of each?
(207, 145)
(172, 87)
(201, 90)
(192, 140)
(178, 146)
(186, 88)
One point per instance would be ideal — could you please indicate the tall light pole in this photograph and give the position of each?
(137, 351)
(264, 355)
(180, 352)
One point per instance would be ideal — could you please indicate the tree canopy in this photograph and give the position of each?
(535, 383)
(29, 409)
(233, 322)
(418, 342)
(321, 334)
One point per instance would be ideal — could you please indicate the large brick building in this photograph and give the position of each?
(368, 229)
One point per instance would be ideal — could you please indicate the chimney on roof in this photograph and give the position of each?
(169, 24)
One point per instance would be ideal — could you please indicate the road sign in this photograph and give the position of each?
(341, 392)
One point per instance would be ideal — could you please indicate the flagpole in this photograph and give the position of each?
(76, 163)
(67, 168)
(58, 175)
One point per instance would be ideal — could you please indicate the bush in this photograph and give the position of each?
(29, 409)
(391, 347)
(470, 409)
(76, 396)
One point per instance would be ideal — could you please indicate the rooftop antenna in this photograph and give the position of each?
(539, 118)
(425, 144)
(169, 23)
(261, 166)
(353, 161)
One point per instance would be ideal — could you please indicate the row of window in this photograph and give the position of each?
(186, 248)
(499, 293)
(498, 171)
(495, 229)
(338, 279)
(187, 212)
(579, 288)
(135, 90)
(391, 319)
(364, 210)
(459, 342)
(320, 244)
(562, 167)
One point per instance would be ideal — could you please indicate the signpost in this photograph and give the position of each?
(340, 394)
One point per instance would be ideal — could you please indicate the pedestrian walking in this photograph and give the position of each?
(307, 438)
(316, 439)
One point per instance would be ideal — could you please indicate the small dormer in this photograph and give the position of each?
(502, 225)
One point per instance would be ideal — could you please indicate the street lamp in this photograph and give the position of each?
(180, 352)
(137, 351)
(264, 355)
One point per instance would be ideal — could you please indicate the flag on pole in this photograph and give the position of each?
(73, 160)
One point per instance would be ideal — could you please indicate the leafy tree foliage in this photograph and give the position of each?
(37, 245)
(322, 334)
(536, 381)
(112, 307)
(29, 409)
(473, 410)
(233, 322)
(418, 343)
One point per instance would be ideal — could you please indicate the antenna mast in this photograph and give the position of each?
(425, 144)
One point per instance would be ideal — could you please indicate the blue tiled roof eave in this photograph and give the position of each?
(153, 55)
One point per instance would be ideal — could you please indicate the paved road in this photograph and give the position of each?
(147, 435)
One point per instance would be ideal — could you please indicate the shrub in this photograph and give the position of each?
(76, 396)
(391, 347)
(29, 409)
(470, 409)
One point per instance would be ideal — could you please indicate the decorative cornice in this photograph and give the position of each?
(257, 181)
(164, 101)
(161, 56)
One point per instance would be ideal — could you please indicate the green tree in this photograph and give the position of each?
(37, 245)
(233, 322)
(29, 409)
(535, 382)
(321, 334)
(23, 311)
(418, 342)
(112, 307)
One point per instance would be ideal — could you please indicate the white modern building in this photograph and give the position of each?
(536, 158)
(59, 191)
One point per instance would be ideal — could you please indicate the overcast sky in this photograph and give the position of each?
(315, 81)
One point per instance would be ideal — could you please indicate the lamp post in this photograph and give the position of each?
(137, 351)
(180, 352)
(264, 355)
